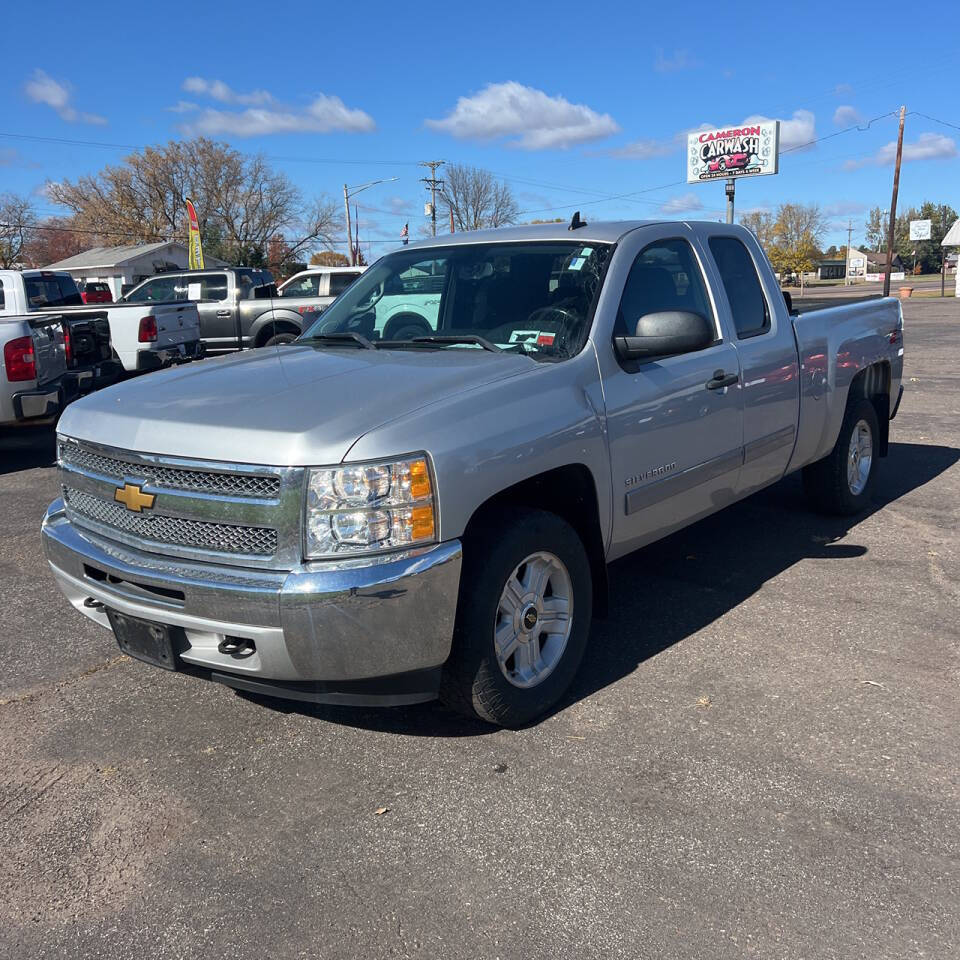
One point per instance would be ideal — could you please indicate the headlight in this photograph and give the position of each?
(362, 508)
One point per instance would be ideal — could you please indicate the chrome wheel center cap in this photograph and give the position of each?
(530, 618)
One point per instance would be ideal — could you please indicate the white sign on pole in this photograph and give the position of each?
(752, 150)
(919, 229)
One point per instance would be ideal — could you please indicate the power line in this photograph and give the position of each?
(946, 123)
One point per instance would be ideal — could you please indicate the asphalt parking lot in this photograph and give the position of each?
(759, 759)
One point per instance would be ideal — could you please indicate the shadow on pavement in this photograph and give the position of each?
(668, 591)
(27, 448)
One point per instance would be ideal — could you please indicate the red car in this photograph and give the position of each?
(734, 161)
(96, 292)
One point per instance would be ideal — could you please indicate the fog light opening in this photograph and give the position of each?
(239, 647)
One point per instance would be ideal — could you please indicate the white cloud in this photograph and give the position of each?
(685, 202)
(645, 149)
(184, 106)
(795, 133)
(680, 60)
(844, 208)
(218, 90)
(536, 120)
(928, 146)
(324, 114)
(42, 88)
(846, 116)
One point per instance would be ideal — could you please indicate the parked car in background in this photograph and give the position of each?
(363, 518)
(143, 336)
(96, 291)
(239, 307)
(35, 384)
(321, 282)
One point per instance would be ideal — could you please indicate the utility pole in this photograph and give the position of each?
(846, 268)
(943, 250)
(346, 206)
(730, 189)
(893, 205)
(432, 182)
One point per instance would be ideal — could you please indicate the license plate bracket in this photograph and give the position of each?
(144, 640)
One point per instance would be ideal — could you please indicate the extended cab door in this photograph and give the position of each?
(675, 432)
(217, 309)
(763, 335)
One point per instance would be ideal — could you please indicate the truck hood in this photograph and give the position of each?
(287, 406)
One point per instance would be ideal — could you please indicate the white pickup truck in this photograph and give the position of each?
(145, 336)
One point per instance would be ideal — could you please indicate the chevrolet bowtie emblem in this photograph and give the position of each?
(133, 497)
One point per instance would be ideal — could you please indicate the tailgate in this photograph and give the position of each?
(176, 323)
(51, 358)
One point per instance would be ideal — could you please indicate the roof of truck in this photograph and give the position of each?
(603, 231)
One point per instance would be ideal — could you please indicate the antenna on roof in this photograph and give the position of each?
(576, 222)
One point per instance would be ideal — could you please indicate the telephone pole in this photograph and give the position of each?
(893, 205)
(432, 182)
(846, 268)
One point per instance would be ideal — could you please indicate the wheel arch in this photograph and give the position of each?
(271, 324)
(569, 492)
(873, 383)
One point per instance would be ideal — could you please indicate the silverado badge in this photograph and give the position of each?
(133, 497)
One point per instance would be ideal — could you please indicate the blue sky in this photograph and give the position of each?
(573, 103)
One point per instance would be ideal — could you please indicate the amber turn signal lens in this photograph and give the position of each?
(421, 523)
(419, 480)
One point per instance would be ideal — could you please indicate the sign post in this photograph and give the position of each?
(750, 150)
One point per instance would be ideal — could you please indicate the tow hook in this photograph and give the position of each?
(92, 604)
(236, 646)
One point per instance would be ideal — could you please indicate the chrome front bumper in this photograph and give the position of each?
(322, 623)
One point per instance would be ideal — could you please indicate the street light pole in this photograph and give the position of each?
(348, 192)
(346, 206)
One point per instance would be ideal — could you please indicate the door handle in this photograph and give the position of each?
(721, 380)
(223, 313)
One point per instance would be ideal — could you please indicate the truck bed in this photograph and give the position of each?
(834, 344)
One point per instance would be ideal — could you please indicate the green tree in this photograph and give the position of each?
(926, 253)
(797, 234)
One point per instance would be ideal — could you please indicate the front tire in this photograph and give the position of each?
(842, 482)
(523, 618)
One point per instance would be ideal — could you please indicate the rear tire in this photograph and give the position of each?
(278, 338)
(842, 482)
(525, 587)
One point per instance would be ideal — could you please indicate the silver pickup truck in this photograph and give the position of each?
(360, 519)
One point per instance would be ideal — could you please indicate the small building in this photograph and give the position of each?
(122, 267)
(872, 265)
(831, 269)
(952, 239)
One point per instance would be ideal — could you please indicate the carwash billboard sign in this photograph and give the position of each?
(750, 150)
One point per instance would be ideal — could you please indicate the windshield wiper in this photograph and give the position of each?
(469, 338)
(346, 337)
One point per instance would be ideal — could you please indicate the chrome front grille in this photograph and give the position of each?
(230, 513)
(199, 481)
(177, 531)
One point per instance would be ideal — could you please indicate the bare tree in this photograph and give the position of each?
(477, 198)
(17, 218)
(760, 223)
(241, 201)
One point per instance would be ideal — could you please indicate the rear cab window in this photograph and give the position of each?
(748, 304)
(50, 290)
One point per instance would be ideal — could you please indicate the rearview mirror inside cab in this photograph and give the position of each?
(664, 334)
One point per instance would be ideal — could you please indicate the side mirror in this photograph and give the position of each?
(788, 299)
(664, 334)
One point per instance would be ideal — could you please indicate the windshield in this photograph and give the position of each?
(531, 297)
